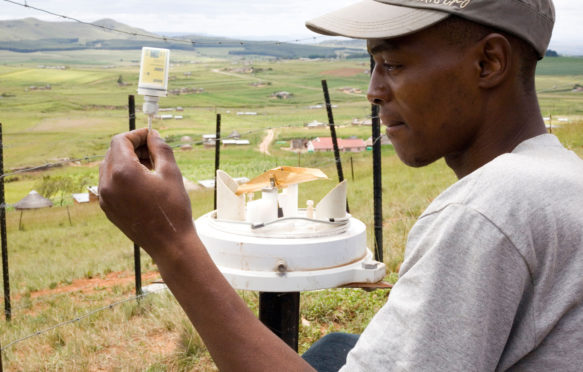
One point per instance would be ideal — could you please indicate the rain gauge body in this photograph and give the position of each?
(271, 245)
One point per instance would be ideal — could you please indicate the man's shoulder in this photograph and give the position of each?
(538, 170)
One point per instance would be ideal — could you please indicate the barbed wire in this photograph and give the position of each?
(48, 298)
(86, 315)
(161, 38)
(50, 165)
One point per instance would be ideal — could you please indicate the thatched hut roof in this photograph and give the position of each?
(33, 201)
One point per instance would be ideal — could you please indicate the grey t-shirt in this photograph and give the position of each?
(493, 273)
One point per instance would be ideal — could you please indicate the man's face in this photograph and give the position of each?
(425, 90)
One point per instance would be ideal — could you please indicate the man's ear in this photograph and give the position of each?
(495, 59)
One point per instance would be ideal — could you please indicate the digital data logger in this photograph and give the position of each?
(153, 82)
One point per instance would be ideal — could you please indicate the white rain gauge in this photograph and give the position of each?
(271, 245)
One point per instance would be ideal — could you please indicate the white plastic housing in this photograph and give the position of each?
(150, 106)
(300, 263)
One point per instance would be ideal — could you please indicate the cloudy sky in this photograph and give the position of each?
(254, 19)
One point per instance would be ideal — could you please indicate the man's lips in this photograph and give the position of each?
(393, 126)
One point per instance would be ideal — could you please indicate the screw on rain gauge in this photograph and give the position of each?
(153, 82)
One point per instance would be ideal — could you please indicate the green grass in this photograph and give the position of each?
(85, 108)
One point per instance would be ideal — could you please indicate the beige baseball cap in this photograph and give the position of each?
(530, 20)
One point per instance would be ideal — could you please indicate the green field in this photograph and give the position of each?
(60, 270)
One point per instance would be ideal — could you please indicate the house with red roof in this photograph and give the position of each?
(344, 145)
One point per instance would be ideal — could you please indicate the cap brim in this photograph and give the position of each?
(370, 19)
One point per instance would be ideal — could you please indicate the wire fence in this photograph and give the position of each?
(156, 37)
(48, 299)
(78, 319)
(175, 144)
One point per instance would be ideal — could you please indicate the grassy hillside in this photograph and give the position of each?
(35, 29)
(32, 35)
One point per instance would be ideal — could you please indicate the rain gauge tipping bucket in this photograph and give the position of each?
(257, 248)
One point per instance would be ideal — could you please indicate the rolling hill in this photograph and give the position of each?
(33, 35)
(34, 29)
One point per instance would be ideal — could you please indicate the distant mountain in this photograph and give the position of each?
(33, 35)
(345, 43)
(34, 29)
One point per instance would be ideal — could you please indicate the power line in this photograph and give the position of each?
(160, 38)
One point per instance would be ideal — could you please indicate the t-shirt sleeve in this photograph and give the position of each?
(454, 305)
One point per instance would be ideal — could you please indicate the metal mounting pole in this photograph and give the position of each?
(280, 312)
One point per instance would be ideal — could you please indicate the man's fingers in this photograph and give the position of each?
(137, 137)
(121, 163)
(162, 155)
(125, 146)
(103, 177)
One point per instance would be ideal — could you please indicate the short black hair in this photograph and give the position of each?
(462, 33)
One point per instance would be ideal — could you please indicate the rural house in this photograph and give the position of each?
(344, 145)
(235, 142)
(208, 139)
(299, 143)
(92, 195)
(282, 95)
(315, 124)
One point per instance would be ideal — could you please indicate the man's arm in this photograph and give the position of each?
(153, 209)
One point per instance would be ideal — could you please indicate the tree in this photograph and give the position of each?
(50, 187)
(551, 53)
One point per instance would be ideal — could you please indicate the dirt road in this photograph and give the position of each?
(264, 145)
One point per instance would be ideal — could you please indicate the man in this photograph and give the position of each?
(491, 277)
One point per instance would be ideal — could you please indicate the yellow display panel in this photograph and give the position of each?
(154, 68)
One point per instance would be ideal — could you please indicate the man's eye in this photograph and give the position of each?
(390, 66)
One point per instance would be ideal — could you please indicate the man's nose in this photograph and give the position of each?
(378, 91)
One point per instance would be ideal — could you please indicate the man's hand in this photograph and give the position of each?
(141, 191)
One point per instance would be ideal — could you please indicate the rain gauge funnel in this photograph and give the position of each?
(271, 245)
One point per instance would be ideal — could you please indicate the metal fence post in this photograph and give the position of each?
(217, 152)
(377, 178)
(333, 134)
(5, 272)
(137, 253)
